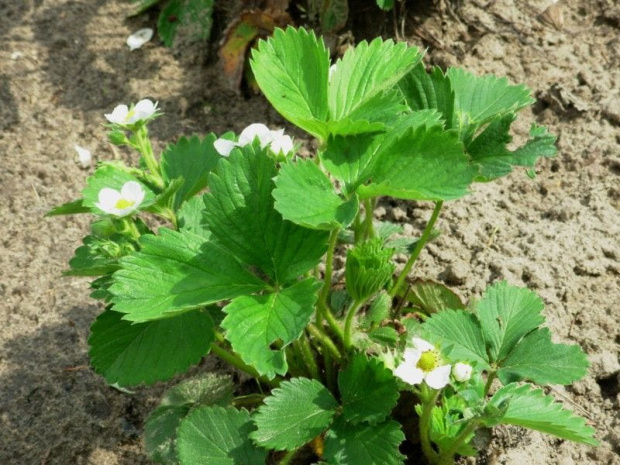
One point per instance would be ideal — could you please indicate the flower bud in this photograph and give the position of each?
(461, 372)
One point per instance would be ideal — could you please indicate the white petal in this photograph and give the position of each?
(139, 38)
(224, 146)
(422, 345)
(439, 377)
(409, 373)
(253, 131)
(282, 144)
(411, 356)
(108, 199)
(85, 156)
(144, 109)
(133, 192)
(461, 372)
(118, 115)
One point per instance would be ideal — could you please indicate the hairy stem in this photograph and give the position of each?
(447, 458)
(348, 324)
(143, 145)
(250, 399)
(416, 252)
(323, 311)
(324, 340)
(490, 379)
(369, 210)
(305, 351)
(428, 402)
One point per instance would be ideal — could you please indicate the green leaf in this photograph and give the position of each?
(478, 100)
(368, 269)
(489, 148)
(379, 309)
(385, 4)
(363, 73)
(539, 360)
(115, 178)
(506, 314)
(447, 423)
(432, 297)
(129, 354)
(295, 413)
(334, 16)
(205, 389)
(243, 219)
(460, 333)
(70, 208)
(349, 127)
(191, 217)
(347, 444)
(306, 196)
(424, 91)
(368, 390)
(143, 5)
(176, 272)
(531, 408)
(254, 323)
(160, 431)
(218, 436)
(192, 16)
(299, 93)
(91, 260)
(384, 335)
(191, 159)
(426, 163)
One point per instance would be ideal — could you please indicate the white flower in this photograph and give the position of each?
(277, 141)
(461, 372)
(224, 146)
(85, 156)
(139, 38)
(123, 116)
(423, 363)
(264, 134)
(281, 143)
(121, 203)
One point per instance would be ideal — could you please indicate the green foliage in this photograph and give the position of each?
(368, 269)
(219, 436)
(432, 297)
(129, 354)
(447, 423)
(191, 217)
(70, 208)
(192, 17)
(295, 413)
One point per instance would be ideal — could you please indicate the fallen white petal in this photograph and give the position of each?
(439, 377)
(139, 38)
(16, 55)
(85, 156)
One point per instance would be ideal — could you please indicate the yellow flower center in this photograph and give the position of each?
(124, 203)
(428, 361)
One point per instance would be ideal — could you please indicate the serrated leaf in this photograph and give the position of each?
(379, 309)
(426, 163)
(295, 413)
(218, 436)
(176, 272)
(460, 333)
(347, 444)
(368, 269)
(70, 208)
(365, 72)
(206, 389)
(191, 159)
(447, 423)
(432, 297)
(195, 17)
(349, 127)
(478, 100)
(254, 323)
(89, 260)
(242, 218)
(306, 196)
(114, 178)
(489, 148)
(299, 93)
(160, 432)
(368, 390)
(191, 217)
(506, 314)
(385, 335)
(539, 360)
(531, 408)
(129, 354)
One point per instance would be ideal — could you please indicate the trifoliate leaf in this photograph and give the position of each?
(254, 323)
(191, 217)
(478, 100)
(295, 413)
(350, 158)
(192, 16)
(347, 444)
(242, 217)
(432, 297)
(506, 314)
(368, 269)
(531, 408)
(306, 196)
(129, 354)
(218, 436)
(299, 93)
(368, 390)
(191, 159)
(489, 148)
(424, 91)
(460, 333)
(70, 208)
(426, 163)
(176, 272)
(363, 73)
(539, 360)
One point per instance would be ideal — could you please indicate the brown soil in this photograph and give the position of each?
(63, 63)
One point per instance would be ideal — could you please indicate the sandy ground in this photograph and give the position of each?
(63, 63)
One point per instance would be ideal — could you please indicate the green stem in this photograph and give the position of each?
(425, 426)
(416, 252)
(288, 457)
(250, 399)
(353, 308)
(490, 379)
(305, 351)
(129, 227)
(327, 344)
(447, 458)
(236, 361)
(369, 210)
(323, 311)
(331, 320)
(146, 150)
